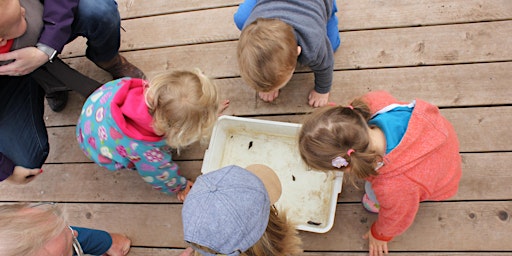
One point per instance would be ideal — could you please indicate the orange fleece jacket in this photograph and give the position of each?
(426, 165)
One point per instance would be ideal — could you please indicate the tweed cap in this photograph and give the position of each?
(227, 210)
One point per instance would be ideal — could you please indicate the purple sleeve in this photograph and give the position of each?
(6, 167)
(58, 15)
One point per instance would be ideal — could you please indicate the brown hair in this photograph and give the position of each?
(184, 106)
(280, 239)
(25, 231)
(267, 53)
(332, 131)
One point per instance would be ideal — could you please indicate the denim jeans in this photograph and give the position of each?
(100, 23)
(23, 136)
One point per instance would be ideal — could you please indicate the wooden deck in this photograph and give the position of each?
(454, 53)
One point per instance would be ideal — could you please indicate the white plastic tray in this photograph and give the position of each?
(309, 197)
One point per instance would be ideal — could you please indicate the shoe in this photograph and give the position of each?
(119, 67)
(57, 100)
(370, 205)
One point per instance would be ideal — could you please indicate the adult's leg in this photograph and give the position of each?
(332, 28)
(23, 135)
(100, 23)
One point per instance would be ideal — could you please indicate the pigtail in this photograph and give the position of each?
(336, 138)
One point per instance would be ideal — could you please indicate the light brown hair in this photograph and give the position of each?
(280, 239)
(331, 131)
(24, 231)
(184, 106)
(267, 53)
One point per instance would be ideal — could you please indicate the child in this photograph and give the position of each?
(407, 153)
(41, 230)
(230, 212)
(276, 33)
(130, 123)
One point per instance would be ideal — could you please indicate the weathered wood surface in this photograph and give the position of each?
(455, 54)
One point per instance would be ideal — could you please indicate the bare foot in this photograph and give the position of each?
(120, 245)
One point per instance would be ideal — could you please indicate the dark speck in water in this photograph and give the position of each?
(310, 222)
(250, 144)
(293, 178)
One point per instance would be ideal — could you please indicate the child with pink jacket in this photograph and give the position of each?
(406, 152)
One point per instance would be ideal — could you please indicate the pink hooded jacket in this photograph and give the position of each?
(426, 165)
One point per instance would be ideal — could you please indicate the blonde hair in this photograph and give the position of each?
(280, 239)
(267, 53)
(24, 231)
(184, 106)
(332, 131)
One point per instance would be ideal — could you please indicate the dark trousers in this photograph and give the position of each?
(23, 136)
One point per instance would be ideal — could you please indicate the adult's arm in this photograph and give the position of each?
(58, 16)
(93, 241)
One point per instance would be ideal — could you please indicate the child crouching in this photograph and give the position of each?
(130, 123)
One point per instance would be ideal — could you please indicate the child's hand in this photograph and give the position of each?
(269, 96)
(222, 106)
(22, 175)
(120, 245)
(183, 194)
(187, 252)
(318, 100)
(377, 247)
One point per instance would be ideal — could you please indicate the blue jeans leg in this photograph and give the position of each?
(100, 23)
(23, 136)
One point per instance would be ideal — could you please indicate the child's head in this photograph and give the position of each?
(27, 231)
(230, 211)
(337, 138)
(184, 106)
(267, 54)
(12, 20)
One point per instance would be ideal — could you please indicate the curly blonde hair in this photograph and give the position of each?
(267, 53)
(25, 231)
(332, 131)
(280, 239)
(184, 105)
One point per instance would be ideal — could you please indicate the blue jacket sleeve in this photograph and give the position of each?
(243, 12)
(58, 15)
(6, 167)
(94, 242)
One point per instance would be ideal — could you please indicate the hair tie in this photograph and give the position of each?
(350, 151)
(350, 106)
(339, 161)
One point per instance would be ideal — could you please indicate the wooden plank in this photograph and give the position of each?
(139, 8)
(453, 85)
(175, 252)
(438, 226)
(486, 176)
(388, 47)
(354, 14)
(211, 25)
(479, 130)
(371, 14)
(94, 183)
